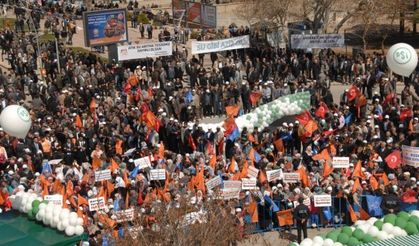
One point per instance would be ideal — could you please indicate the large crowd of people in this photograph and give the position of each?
(97, 115)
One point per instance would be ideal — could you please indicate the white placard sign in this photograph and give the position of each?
(248, 184)
(54, 199)
(410, 155)
(232, 185)
(291, 177)
(158, 174)
(129, 152)
(272, 175)
(199, 47)
(322, 41)
(143, 162)
(103, 175)
(96, 204)
(230, 194)
(214, 182)
(305, 202)
(340, 162)
(125, 215)
(55, 161)
(252, 172)
(141, 51)
(322, 201)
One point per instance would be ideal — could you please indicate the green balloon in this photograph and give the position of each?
(31, 216)
(359, 234)
(332, 236)
(411, 228)
(347, 230)
(343, 238)
(401, 222)
(403, 214)
(390, 218)
(353, 242)
(379, 224)
(368, 238)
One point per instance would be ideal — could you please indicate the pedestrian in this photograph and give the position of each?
(301, 215)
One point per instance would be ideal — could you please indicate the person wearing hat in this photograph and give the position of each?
(301, 215)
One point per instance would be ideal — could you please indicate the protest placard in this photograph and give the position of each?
(272, 175)
(125, 215)
(252, 172)
(233, 185)
(214, 182)
(129, 152)
(322, 201)
(146, 50)
(305, 202)
(158, 174)
(410, 155)
(54, 199)
(340, 162)
(291, 177)
(248, 184)
(143, 162)
(230, 194)
(96, 204)
(103, 175)
(55, 161)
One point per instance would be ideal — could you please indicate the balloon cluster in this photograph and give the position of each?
(266, 114)
(47, 213)
(367, 231)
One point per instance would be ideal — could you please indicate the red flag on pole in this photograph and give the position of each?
(353, 93)
(406, 113)
(304, 117)
(322, 110)
(254, 97)
(394, 159)
(233, 110)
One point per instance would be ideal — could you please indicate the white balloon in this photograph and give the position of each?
(382, 235)
(56, 220)
(60, 226)
(390, 236)
(79, 230)
(328, 242)
(65, 223)
(306, 242)
(373, 231)
(15, 121)
(69, 231)
(372, 220)
(387, 227)
(337, 244)
(80, 221)
(52, 223)
(28, 207)
(402, 59)
(42, 206)
(317, 244)
(404, 233)
(318, 240)
(359, 222)
(73, 215)
(397, 231)
(45, 220)
(73, 221)
(41, 213)
(38, 218)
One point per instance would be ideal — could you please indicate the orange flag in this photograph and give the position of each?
(323, 155)
(200, 180)
(244, 170)
(352, 213)
(252, 155)
(303, 176)
(253, 211)
(69, 189)
(96, 163)
(385, 179)
(85, 179)
(125, 178)
(92, 105)
(357, 185)
(58, 188)
(82, 201)
(262, 177)
(358, 171)
(285, 217)
(78, 122)
(327, 170)
(106, 221)
(363, 214)
(114, 166)
(373, 182)
(233, 166)
(279, 145)
(213, 161)
(161, 150)
(109, 187)
(118, 147)
(232, 111)
(310, 128)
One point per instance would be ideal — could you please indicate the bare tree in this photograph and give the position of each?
(392, 9)
(210, 223)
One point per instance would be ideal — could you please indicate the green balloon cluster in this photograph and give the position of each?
(343, 238)
(411, 228)
(379, 224)
(347, 230)
(35, 209)
(368, 238)
(401, 222)
(359, 234)
(390, 218)
(353, 241)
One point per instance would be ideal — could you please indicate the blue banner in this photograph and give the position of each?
(374, 205)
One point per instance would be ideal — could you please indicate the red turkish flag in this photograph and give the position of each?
(322, 110)
(394, 159)
(353, 92)
(406, 113)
